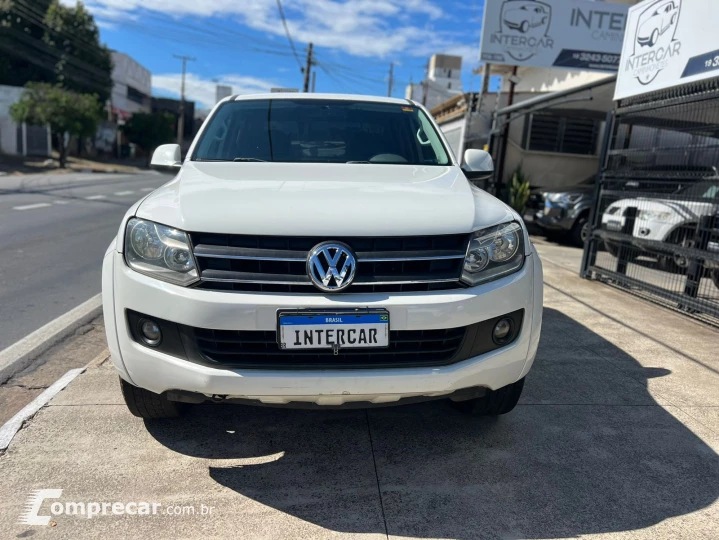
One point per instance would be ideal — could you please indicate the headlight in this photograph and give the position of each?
(493, 252)
(159, 251)
(563, 198)
(654, 215)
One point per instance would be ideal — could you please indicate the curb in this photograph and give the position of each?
(21, 354)
(12, 426)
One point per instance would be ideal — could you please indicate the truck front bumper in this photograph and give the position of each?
(124, 289)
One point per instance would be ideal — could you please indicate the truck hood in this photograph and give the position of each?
(305, 199)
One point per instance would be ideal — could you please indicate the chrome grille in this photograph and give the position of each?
(278, 263)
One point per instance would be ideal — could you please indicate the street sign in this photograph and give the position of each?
(668, 43)
(572, 34)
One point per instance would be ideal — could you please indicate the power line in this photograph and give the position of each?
(287, 32)
(86, 77)
(340, 77)
(349, 74)
(213, 41)
(332, 77)
(267, 44)
(35, 16)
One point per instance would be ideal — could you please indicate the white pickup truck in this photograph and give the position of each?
(321, 250)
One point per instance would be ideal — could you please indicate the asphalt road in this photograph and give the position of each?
(54, 230)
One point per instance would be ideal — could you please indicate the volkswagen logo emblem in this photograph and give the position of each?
(331, 266)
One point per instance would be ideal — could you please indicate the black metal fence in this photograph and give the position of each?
(655, 219)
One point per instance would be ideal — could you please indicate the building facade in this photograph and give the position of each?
(443, 81)
(20, 139)
(555, 142)
(132, 87)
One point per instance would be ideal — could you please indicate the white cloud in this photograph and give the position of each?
(203, 90)
(363, 28)
(106, 25)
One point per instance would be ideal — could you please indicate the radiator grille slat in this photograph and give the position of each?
(255, 263)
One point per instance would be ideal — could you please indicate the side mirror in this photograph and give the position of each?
(167, 157)
(478, 165)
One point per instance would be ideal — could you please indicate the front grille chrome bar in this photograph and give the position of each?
(273, 264)
(221, 252)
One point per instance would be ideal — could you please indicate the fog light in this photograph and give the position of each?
(150, 332)
(502, 331)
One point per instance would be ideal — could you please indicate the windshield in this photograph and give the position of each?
(702, 190)
(321, 131)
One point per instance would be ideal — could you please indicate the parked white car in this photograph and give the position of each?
(672, 220)
(659, 21)
(321, 250)
(526, 17)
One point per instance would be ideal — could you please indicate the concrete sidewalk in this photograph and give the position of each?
(616, 436)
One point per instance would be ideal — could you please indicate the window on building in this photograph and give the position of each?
(546, 132)
(449, 85)
(449, 73)
(135, 95)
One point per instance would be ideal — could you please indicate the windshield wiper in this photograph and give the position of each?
(247, 159)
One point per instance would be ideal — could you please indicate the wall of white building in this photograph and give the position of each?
(443, 82)
(129, 73)
(28, 140)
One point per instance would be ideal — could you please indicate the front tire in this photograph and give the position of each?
(579, 231)
(654, 38)
(494, 402)
(148, 405)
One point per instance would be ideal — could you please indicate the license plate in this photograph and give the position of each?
(333, 330)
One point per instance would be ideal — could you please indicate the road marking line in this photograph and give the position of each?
(12, 426)
(95, 197)
(31, 206)
(60, 202)
(147, 189)
(124, 192)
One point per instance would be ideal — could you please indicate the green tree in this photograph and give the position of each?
(83, 64)
(149, 131)
(43, 104)
(23, 54)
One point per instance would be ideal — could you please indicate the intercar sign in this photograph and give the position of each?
(668, 43)
(573, 34)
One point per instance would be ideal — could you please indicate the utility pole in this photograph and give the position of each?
(314, 80)
(425, 84)
(391, 79)
(308, 68)
(502, 150)
(181, 119)
(486, 73)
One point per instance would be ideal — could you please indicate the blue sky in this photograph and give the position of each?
(242, 42)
